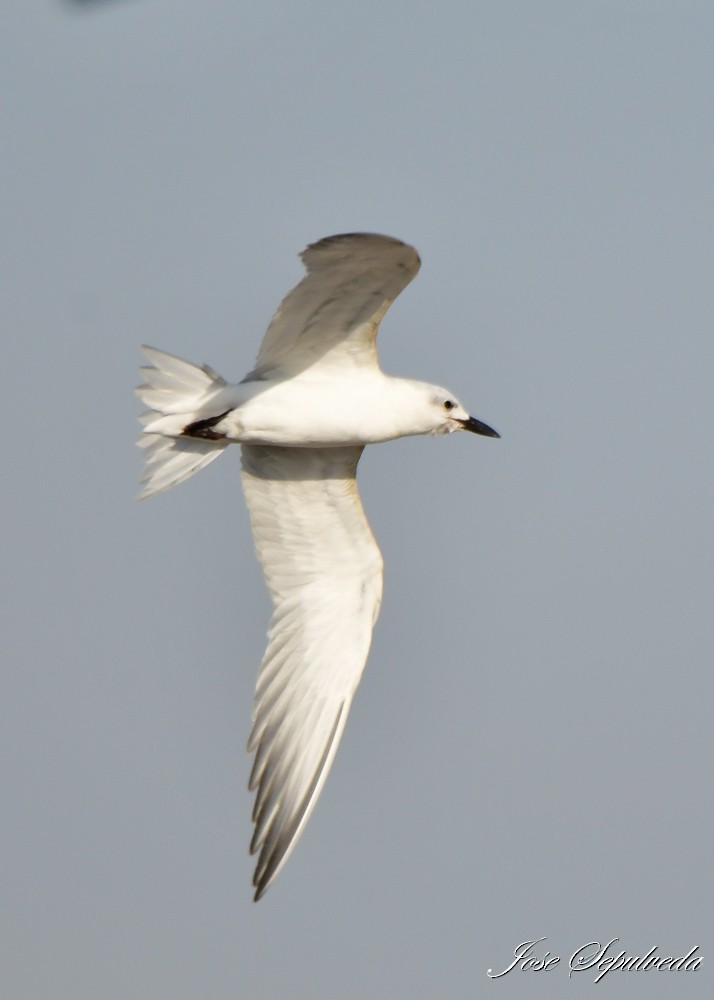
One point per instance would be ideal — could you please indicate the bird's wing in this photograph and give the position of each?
(333, 315)
(324, 573)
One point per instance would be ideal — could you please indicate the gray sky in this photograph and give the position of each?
(530, 751)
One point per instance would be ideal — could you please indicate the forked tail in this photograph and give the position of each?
(177, 394)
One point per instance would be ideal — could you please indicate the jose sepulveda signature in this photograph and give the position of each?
(602, 958)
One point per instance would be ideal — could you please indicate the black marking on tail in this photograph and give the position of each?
(204, 428)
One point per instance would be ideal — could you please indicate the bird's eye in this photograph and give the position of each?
(449, 404)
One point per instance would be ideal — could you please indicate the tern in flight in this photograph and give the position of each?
(302, 417)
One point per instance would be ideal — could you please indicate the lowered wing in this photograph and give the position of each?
(324, 573)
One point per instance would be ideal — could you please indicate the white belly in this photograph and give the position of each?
(312, 413)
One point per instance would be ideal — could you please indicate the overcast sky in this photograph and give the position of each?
(529, 753)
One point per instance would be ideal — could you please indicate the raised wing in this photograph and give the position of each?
(324, 573)
(333, 315)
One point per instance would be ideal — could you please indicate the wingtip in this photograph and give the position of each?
(346, 245)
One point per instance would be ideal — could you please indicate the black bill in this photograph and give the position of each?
(479, 427)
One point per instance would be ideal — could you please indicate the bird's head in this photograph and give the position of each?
(449, 415)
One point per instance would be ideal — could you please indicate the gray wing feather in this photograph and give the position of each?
(335, 311)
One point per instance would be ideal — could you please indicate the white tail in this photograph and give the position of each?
(176, 393)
